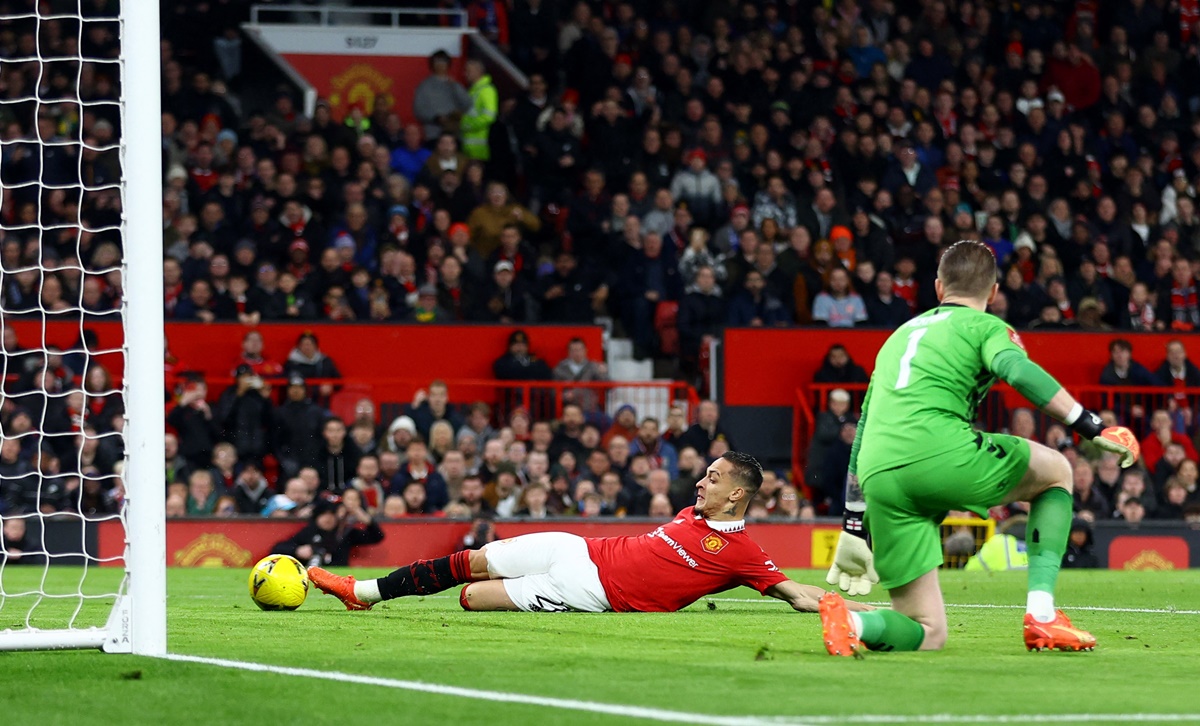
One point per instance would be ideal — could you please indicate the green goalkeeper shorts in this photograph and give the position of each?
(906, 505)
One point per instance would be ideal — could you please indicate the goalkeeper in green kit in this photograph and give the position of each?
(917, 455)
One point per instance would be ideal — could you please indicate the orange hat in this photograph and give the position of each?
(459, 227)
(840, 231)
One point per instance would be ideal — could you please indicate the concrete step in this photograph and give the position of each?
(619, 349)
(630, 370)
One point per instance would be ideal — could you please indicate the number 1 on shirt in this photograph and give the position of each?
(906, 360)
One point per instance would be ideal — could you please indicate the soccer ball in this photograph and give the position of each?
(278, 582)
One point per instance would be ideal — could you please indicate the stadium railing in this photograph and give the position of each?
(544, 400)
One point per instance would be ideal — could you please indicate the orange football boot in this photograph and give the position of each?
(1058, 633)
(836, 628)
(340, 587)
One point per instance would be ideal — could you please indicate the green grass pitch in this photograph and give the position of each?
(737, 658)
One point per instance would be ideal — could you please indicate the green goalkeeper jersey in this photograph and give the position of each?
(929, 379)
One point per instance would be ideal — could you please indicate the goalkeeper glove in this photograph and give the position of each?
(853, 568)
(1089, 426)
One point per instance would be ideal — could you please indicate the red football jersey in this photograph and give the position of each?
(679, 563)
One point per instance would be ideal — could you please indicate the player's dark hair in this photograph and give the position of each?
(746, 470)
(968, 268)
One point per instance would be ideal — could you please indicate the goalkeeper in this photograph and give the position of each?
(917, 455)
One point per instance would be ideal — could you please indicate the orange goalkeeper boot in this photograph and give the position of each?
(836, 628)
(340, 587)
(1059, 633)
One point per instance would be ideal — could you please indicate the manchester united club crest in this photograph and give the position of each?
(713, 543)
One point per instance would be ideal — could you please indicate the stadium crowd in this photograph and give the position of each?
(678, 167)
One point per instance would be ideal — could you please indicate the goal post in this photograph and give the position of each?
(55, 603)
(145, 515)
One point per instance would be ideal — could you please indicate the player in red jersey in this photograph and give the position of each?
(703, 550)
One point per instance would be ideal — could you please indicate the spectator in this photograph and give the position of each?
(839, 306)
(192, 419)
(367, 484)
(478, 425)
(659, 453)
(251, 493)
(504, 299)
(706, 430)
(252, 355)
(698, 188)
(410, 156)
(568, 295)
(755, 306)
(310, 362)
(534, 501)
(519, 364)
(828, 427)
(16, 546)
(202, 494)
(332, 533)
(417, 468)
(577, 367)
(471, 496)
(433, 404)
(337, 457)
(428, 310)
(247, 415)
(297, 425)
(478, 118)
(1088, 497)
(439, 101)
(884, 308)
(838, 367)
(489, 220)
(1134, 488)
(504, 494)
(1079, 545)
(701, 316)
(1175, 496)
(1123, 370)
(1176, 370)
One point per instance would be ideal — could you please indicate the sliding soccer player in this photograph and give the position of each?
(917, 455)
(704, 550)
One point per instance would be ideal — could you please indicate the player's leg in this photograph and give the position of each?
(1047, 486)
(485, 596)
(907, 554)
(422, 577)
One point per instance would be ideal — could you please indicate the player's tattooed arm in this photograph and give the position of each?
(804, 598)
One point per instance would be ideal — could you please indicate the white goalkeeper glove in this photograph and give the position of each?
(1128, 456)
(853, 568)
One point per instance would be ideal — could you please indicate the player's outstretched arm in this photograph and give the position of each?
(1034, 383)
(804, 598)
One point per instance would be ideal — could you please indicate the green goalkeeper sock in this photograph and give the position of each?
(888, 630)
(1049, 527)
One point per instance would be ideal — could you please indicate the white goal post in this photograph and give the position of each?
(137, 621)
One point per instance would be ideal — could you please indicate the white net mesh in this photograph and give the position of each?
(62, 404)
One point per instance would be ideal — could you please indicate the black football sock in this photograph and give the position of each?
(426, 577)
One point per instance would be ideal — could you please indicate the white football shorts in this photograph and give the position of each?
(548, 572)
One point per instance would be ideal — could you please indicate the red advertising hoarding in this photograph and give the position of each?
(351, 65)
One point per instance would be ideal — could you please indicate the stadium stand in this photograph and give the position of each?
(674, 168)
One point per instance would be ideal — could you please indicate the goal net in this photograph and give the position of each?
(81, 408)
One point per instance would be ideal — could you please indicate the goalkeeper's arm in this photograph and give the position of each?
(1034, 383)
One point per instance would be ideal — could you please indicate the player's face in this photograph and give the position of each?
(715, 488)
